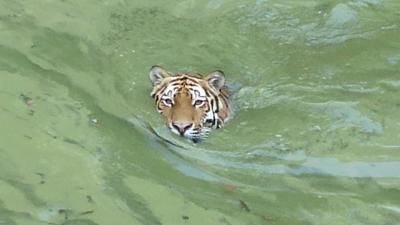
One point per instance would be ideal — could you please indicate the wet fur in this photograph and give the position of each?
(177, 97)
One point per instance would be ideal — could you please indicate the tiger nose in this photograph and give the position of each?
(182, 127)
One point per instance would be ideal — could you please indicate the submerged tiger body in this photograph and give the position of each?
(191, 104)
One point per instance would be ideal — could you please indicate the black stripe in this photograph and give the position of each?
(161, 89)
(175, 83)
(226, 102)
(216, 103)
(210, 109)
(187, 78)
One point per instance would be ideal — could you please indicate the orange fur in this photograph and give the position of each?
(190, 103)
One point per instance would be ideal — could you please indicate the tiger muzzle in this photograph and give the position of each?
(182, 127)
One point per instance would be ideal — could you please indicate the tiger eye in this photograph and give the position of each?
(168, 101)
(198, 102)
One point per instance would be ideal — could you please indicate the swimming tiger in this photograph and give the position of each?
(191, 104)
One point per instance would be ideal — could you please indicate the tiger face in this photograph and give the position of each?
(191, 104)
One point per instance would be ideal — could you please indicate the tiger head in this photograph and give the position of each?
(190, 104)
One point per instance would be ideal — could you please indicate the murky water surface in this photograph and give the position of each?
(315, 139)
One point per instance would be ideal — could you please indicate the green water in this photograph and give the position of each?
(315, 138)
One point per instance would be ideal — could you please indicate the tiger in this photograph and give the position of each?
(191, 104)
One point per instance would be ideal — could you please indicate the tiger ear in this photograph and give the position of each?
(216, 79)
(157, 74)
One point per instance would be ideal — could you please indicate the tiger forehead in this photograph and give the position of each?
(185, 84)
(189, 79)
(188, 75)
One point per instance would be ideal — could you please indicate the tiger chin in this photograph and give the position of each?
(191, 104)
